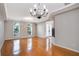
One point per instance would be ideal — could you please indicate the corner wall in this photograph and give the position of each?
(2, 18)
(1, 33)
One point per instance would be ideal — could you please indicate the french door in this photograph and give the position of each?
(16, 30)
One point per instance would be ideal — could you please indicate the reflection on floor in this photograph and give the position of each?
(28, 47)
(34, 47)
(16, 47)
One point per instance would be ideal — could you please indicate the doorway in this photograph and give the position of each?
(50, 29)
(29, 30)
(49, 34)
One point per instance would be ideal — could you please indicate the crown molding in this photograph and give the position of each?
(64, 9)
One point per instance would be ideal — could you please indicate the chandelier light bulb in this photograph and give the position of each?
(34, 13)
(30, 10)
(47, 10)
(35, 6)
(44, 6)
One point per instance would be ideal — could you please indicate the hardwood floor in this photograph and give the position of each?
(59, 51)
(34, 47)
(26, 47)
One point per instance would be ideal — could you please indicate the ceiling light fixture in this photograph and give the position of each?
(39, 11)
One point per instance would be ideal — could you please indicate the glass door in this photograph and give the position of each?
(16, 30)
(29, 30)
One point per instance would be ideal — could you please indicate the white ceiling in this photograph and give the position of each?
(20, 11)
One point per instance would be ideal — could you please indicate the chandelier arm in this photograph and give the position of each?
(43, 13)
(31, 14)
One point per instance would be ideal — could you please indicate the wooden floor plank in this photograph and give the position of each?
(20, 47)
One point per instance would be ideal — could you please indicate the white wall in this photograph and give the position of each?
(1, 33)
(8, 29)
(41, 29)
(67, 29)
(34, 29)
(2, 17)
(23, 29)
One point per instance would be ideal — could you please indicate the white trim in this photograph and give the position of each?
(0, 52)
(19, 38)
(65, 9)
(2, 45)
(66, 48)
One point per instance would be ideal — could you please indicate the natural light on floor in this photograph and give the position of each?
(29, 44)
(16, 46)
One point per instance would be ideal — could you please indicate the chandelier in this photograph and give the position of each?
(39, 11)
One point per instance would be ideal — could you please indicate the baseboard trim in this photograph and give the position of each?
(66, 48)
(2, 45)
(16, 38)
(21, 38)
(0, 52)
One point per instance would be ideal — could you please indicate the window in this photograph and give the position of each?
(29, 29)
(16, 29)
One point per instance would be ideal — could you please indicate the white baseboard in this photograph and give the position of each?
(1, 47)
(19, 37)
(0, 52)
(14, 38)
(66, 48)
